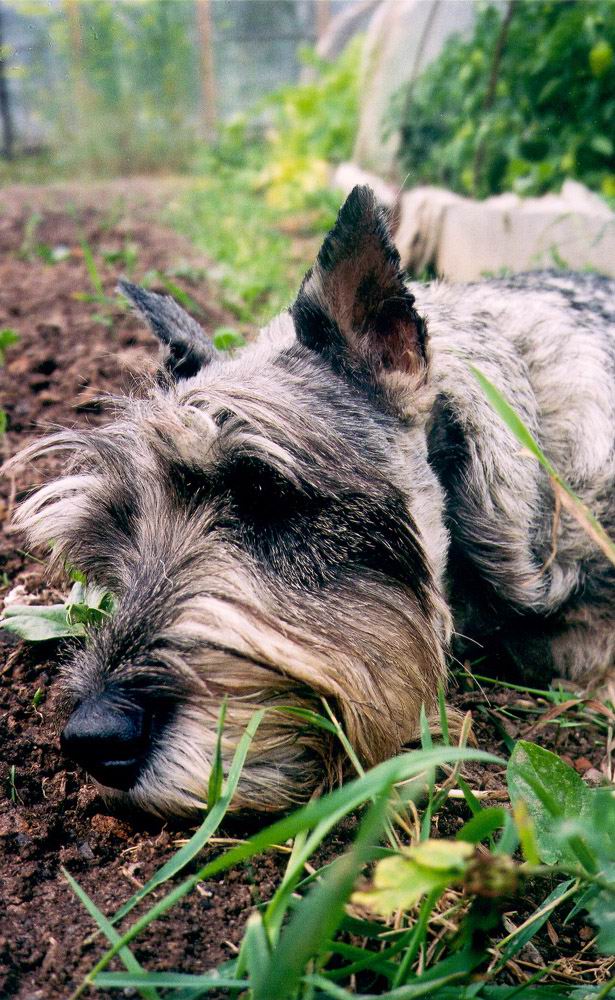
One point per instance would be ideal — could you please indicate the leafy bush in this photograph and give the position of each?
(251, 182)
(528, 101)
(314, 125)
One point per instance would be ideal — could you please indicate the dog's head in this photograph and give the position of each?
(271, 532)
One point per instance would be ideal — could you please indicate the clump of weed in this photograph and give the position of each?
(85, 606)
(8, 338)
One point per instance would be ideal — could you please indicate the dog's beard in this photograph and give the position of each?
(376, 659)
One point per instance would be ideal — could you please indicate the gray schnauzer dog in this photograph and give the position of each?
(314, 516)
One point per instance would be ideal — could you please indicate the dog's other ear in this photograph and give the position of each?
(189, 347)
(353, 306)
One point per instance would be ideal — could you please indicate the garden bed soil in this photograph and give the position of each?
(50, 817)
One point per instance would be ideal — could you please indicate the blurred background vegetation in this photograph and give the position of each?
(526, 102)
(232, 94)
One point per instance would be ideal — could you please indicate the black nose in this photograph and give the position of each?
(108, 740)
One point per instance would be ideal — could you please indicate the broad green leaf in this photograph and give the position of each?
(442, 855)
(601, 828)
(398, 884)
(601, 836)
(400, 881)
(85, 605)
(601, 58)
(551, 791)
(89, 596)
(39, 624)
(602, 914)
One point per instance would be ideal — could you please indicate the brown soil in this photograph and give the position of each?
(49, 816)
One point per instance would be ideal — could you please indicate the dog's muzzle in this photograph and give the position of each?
(110, 741)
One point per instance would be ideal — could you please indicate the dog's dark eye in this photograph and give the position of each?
(261, 494)
(190, 485)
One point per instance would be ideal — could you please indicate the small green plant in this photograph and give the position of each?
(263, 202)
(28, 244)
(225, 338)
(109, 304)
(322, 930)
(154, 277)
(8, 338)
(13, 793)
(314, 125)
(254, 264)
(38, 696)
(85, 606)
(126, 257)
(298, 924)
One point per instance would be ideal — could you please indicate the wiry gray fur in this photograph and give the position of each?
(300, 520)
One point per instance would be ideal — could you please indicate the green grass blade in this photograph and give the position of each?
(443, 716)
(91, 268)
(512, 419)
(112, 936)
(473, 803)
(312, 718)
(255, 948)
(168, 980)
(426, 739)
(211, 823)
(518, 940)
(179, 294)
(317, 917)
(349, 797)
(416, 937)
(305, 847)
(568, 497)
(214, 788)
(412, 991)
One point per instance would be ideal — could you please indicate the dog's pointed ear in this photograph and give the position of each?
(188, 347)
(354, 307)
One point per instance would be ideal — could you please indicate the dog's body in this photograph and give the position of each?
(520, 571)
(299, 520)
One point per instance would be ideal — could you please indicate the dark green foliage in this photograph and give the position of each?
(543, 112)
